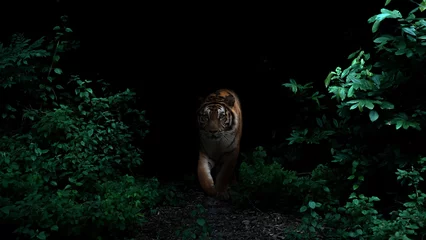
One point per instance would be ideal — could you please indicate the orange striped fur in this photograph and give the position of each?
(220, 126)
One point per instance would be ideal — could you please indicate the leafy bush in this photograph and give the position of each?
(269, 185)
(373, 133)
(65, 168)
(359, 138)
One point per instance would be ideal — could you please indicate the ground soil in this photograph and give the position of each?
(224, 220)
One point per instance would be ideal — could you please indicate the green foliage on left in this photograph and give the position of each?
(66, 149)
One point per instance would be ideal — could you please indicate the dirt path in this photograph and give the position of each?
(225, 221)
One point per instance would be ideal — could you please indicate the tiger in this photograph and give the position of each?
(220, 129)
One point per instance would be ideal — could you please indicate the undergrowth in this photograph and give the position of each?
(375, 140)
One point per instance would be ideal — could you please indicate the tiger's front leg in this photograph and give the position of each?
(205, 165)
(226, 174)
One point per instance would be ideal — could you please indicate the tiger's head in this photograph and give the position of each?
(215, 115)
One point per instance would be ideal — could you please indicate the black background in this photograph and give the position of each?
(173, 53)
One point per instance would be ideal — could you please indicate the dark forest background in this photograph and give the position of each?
(171, 54)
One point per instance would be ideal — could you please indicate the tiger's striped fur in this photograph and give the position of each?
(220, 127)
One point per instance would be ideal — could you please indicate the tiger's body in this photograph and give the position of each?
(220, 126)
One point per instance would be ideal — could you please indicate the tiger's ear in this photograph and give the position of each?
(230, 100)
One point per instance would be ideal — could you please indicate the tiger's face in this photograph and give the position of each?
(214, 119)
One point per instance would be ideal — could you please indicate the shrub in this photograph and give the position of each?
(373, 133)
(66, 167)
(371, 98)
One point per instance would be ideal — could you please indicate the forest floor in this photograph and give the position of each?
(224, 220)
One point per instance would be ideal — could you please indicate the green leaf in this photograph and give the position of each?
(410, 31)
(352, 55)
(326, 189)
(422, 6)
(328, 79)
(336, 123)
(201, 221)
(373, 115)
(58, 71)
(345, 72)
(68, 30)
(387, 2)
(369, 104)
(6, 209)
(375, 26)
(385, 13)
(400, 52)
(386, 105)
(410, 204)
(59, 87)
(383, 39)
(351, 91)
(352, 234)
(54, 228)
(374, 199)
(303, 209)
(56, 58)
(41, 235)
(312, 204)
(319, 122)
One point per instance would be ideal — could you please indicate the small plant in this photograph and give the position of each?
(269, 185)
(200, 229)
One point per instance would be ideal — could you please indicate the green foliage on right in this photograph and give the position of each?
(372, 134)
(66, 147)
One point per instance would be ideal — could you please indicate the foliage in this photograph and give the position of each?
(65, 167)
(268, 185)
(373, 133)
(372, 97)
(258, 180)
(199, 230)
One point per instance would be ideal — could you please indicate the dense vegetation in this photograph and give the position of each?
(370, 186)
(65, 167)
(68, 146)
